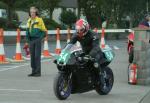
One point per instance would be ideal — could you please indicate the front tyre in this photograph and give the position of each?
(106, 82)
(62, 86)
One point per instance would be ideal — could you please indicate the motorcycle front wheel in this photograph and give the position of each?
(62, 86)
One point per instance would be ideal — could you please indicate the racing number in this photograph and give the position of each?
(109, 55)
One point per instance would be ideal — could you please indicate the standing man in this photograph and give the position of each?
(35, 33)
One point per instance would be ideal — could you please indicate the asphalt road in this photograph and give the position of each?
(16, 87)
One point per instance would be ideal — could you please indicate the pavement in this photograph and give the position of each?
(17, 87)
(146, 98)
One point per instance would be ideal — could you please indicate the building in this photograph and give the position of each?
(3, 13)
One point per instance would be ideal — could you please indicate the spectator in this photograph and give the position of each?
(35, 33)
(128, 19)
(146, 22)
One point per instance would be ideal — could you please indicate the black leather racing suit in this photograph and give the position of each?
(90, 45)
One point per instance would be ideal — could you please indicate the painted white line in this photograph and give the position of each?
(5, 69)
(6, 66)
(14, 67)
(46, 60)
(20, 90)
(116, 48)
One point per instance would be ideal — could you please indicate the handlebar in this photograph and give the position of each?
(86, 58)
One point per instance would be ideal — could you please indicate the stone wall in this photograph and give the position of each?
(142, 55)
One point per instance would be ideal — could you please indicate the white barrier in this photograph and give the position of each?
(52, 32)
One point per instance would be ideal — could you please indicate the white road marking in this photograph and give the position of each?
(6, 66)
(116, 48)
(14, 67)
(4, 69)
(20, 90)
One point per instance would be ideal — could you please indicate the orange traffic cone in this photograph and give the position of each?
(58, 46)
(102, 45)
(18, 56)
(2, 53)
(133, 74)
(46, 52)
(68, 36)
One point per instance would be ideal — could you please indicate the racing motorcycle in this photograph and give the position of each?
(78, 74)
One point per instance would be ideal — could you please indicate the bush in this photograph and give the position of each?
(10, 25)
(3, 23)
(68, 17)
(51, 24)
(13, 25)
(3, 5)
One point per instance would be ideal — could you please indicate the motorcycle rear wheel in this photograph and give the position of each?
(105, 87)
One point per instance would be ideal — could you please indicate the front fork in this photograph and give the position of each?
(70, 78)
(67, 77)
(101, 75)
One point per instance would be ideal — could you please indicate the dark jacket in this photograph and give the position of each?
(89, 43)
(144, 23)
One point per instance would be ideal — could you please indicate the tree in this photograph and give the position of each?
(91, 11)
(135, 9)
(49, 5)
(10, 9)
(114, 10)
(46, 5)
(24, 5)
(3, 5)
(68, 17)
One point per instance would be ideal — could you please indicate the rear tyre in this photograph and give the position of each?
(106, 83)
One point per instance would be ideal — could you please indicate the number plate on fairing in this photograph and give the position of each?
(109, 54)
